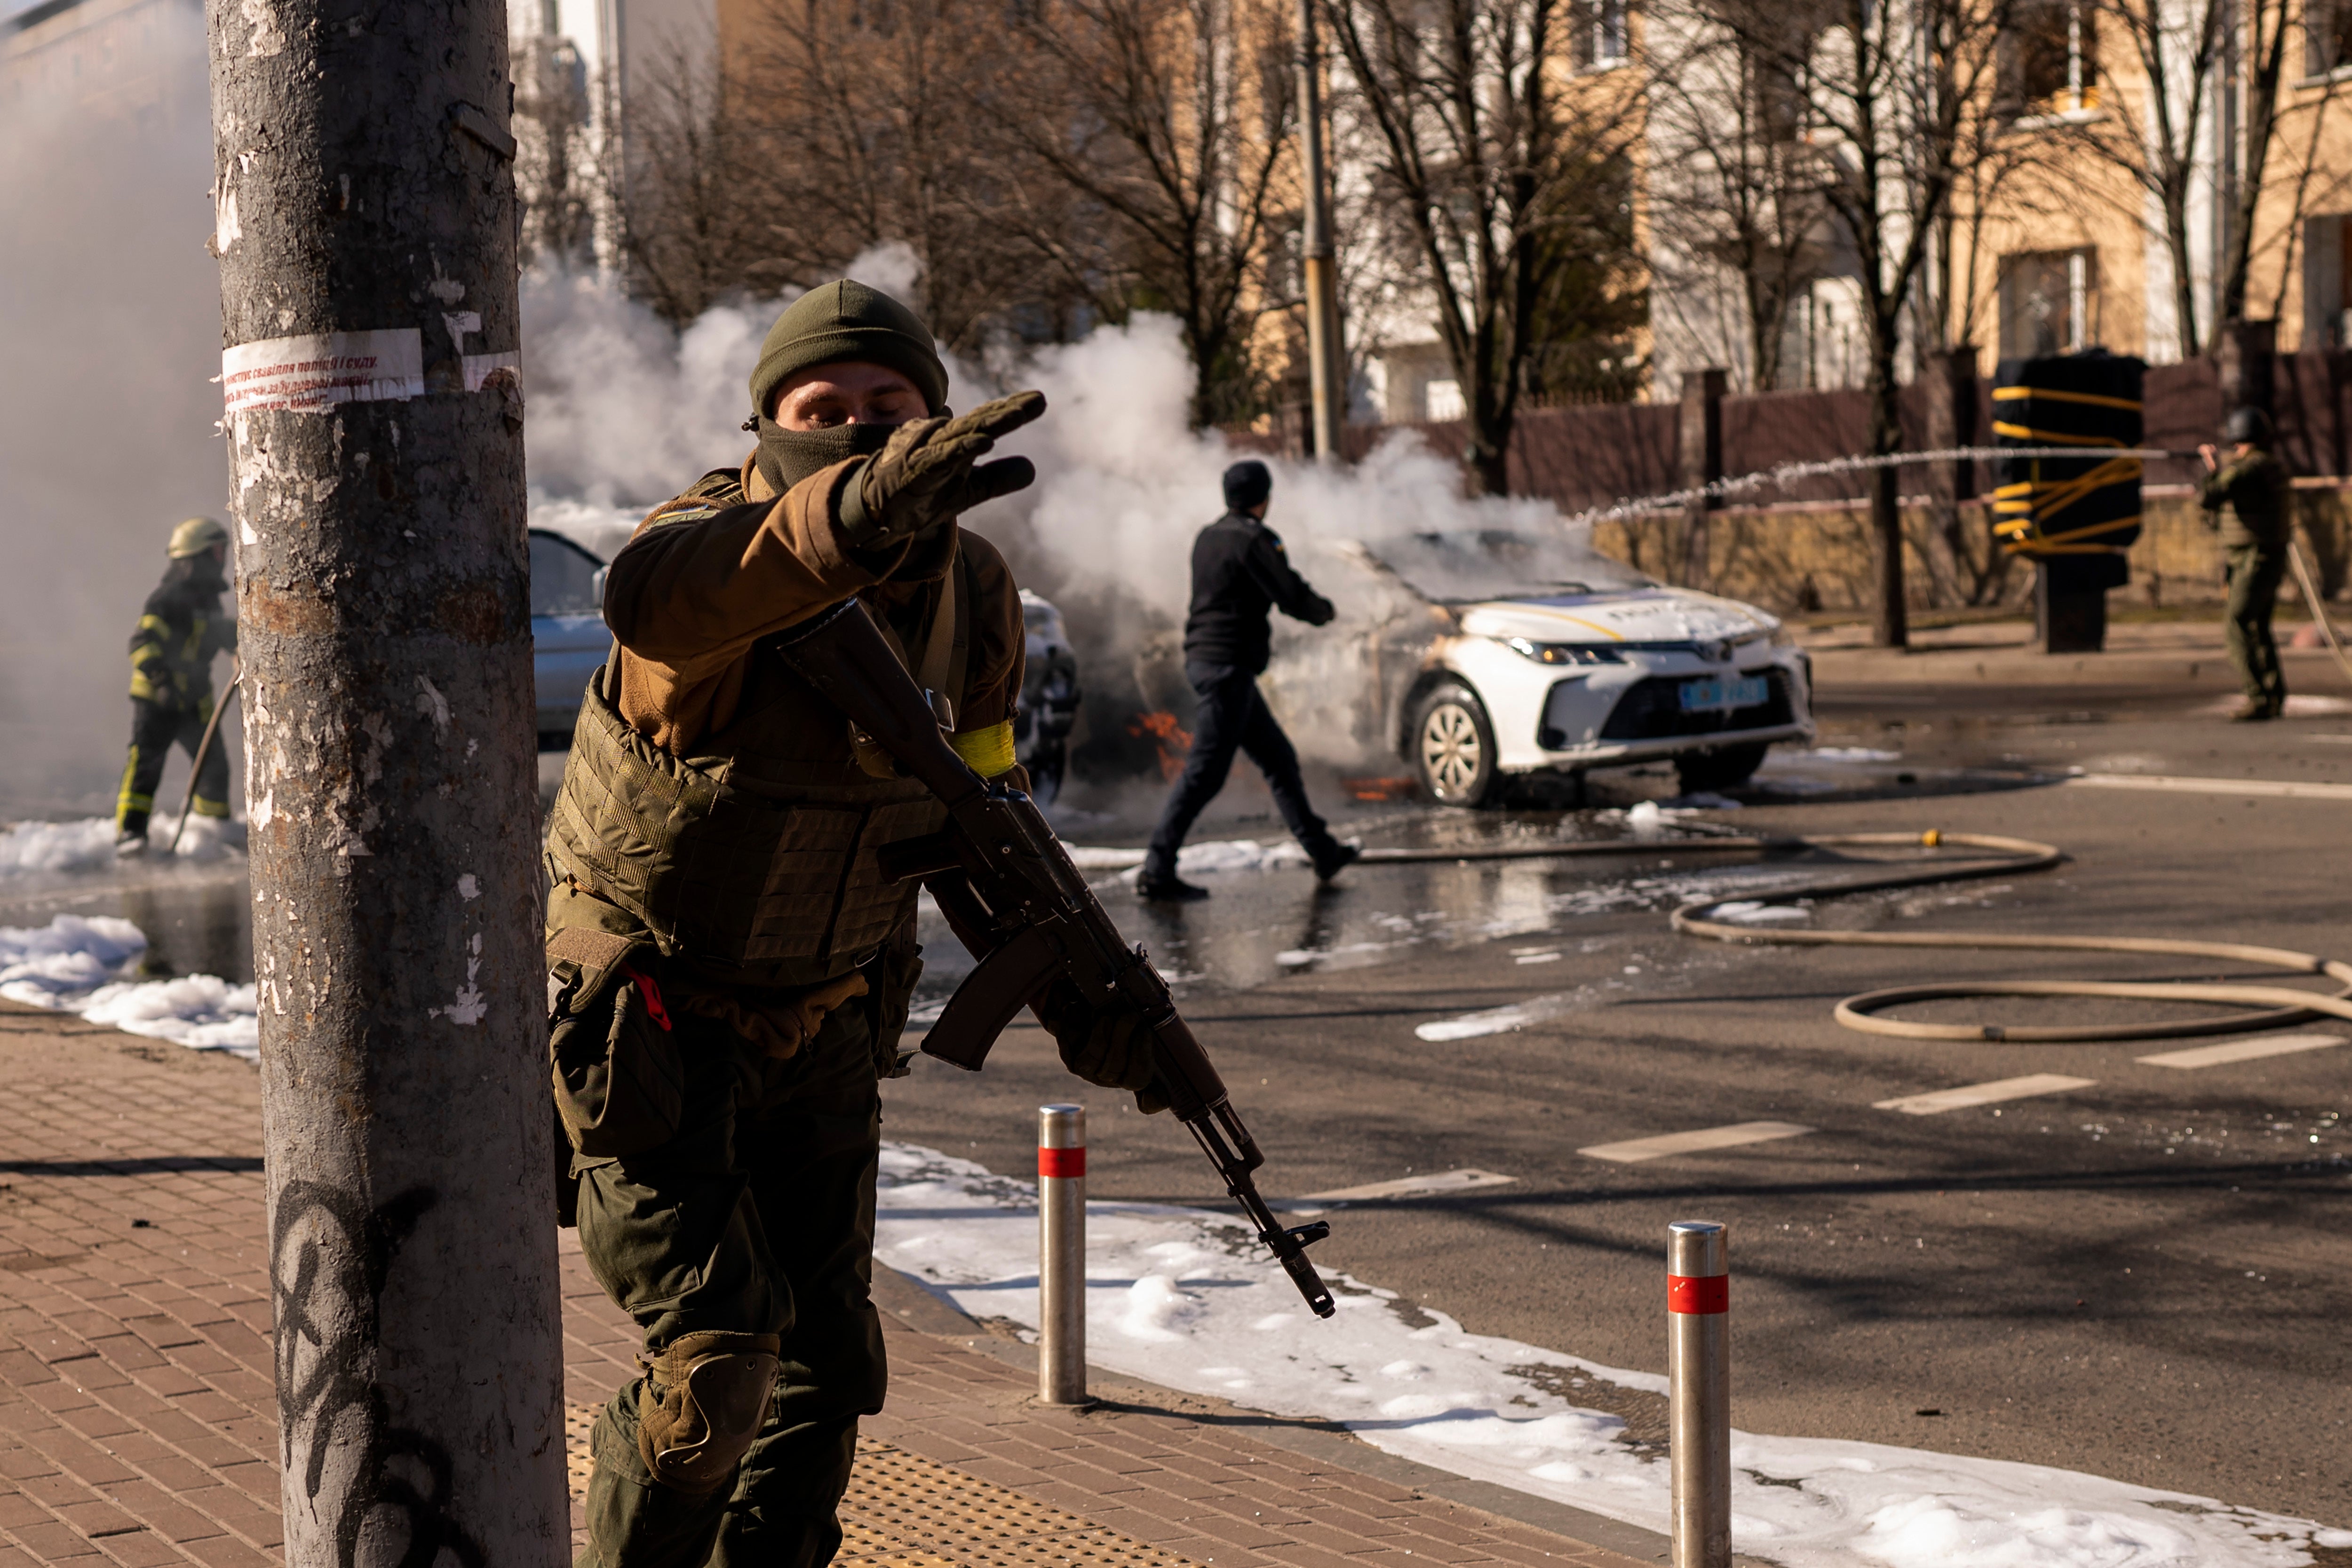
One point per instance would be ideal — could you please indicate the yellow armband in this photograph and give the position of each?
(987, 751)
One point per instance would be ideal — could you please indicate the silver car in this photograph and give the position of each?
(568, 639)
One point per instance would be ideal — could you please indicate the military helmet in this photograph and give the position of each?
(2248, 425)
(196, 536)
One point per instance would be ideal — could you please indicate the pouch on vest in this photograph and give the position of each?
(620, 1083)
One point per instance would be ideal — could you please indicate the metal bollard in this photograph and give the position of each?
(1699, 1365)
(1062, 1254)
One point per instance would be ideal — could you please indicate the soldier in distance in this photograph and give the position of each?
(728, 972)
(2254, 488)
(180, 631)
(1239, 574)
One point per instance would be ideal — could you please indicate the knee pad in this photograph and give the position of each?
(702, 1401)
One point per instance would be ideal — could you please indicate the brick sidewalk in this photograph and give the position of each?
(137, 1420)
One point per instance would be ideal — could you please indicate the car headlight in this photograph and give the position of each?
(1561, 653)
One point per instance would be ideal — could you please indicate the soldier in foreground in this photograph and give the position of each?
(180, 631)
(729, 970)
(2254, 488)
(1240, 574)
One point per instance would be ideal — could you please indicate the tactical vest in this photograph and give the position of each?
(754, 859)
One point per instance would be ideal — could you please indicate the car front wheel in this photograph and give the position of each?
(1454, 747)
(1726, 767)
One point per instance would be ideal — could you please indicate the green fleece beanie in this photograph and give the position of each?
(836, 322)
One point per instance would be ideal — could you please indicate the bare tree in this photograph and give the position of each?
(1166, 123)
(689, 181)
(1893, 95)
(864, 111)
(1733, 195)
(1486, 158)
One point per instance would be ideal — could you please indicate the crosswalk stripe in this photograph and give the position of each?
(2231, 1051)
(1991, 1093)
(1635, 1150)
(2282, 788)
(1403, 1186)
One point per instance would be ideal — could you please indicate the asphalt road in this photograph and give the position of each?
(2147, 1277)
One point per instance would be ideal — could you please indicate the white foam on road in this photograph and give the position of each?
(1187, 1300)
(74, 964)
(1503, 1020)
(1937, 1101)
(86, 844)
(1195, 860)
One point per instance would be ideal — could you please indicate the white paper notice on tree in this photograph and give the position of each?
(315, 371)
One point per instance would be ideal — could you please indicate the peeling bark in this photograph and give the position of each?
(366, 236)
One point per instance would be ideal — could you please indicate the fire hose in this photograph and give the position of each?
(2273, 1006)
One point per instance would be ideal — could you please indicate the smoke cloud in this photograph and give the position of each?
(625, 414)
(110, 307)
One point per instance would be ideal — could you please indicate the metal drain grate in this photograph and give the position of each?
(903, 1511)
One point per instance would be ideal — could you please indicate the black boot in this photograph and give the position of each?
(1168, 888)
(1334, 858)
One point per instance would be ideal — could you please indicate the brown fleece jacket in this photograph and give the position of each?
(701, 582)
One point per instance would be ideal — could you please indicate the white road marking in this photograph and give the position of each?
(1403, 1186)
(2231, 1051)
(1499, 1020)
(1699, 1140)
(2278, 787)
(1991, 1094)
(1551, 958)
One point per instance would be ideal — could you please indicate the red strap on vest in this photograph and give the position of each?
(652, 995)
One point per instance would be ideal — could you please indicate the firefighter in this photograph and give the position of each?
(723, 946)
(2254, 489)
(172, 650)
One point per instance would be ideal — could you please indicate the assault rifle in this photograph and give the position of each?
(1012, 896)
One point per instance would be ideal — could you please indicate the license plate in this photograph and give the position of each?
(1713, 697)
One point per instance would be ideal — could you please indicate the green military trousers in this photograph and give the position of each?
(2254, 574)
(757, 1217)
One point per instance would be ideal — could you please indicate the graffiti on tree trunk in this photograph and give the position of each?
(329, 1259)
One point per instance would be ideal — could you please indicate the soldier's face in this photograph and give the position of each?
(852, 393)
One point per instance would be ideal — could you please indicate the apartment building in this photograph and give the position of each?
(2099, 194)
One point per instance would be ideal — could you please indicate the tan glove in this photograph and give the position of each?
(1108, 1045)
(926, 477)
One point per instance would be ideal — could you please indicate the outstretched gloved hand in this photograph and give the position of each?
(926, 476)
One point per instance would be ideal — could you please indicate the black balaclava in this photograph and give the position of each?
(788, 457)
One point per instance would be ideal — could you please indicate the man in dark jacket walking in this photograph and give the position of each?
(1240, 575)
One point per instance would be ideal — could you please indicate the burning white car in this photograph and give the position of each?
(1500, 652)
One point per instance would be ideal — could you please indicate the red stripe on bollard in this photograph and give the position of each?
(1062, 1161)
(1699, 1292)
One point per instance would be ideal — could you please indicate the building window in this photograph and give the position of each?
(1442, 400)
(2049, 303)
(2327, 283)
(2052, 58)
(1607, 42)
(2326, 37)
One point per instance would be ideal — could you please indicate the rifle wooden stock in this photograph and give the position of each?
(1012, 897)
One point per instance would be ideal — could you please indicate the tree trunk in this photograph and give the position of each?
(366, 230)
(1890, 625)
